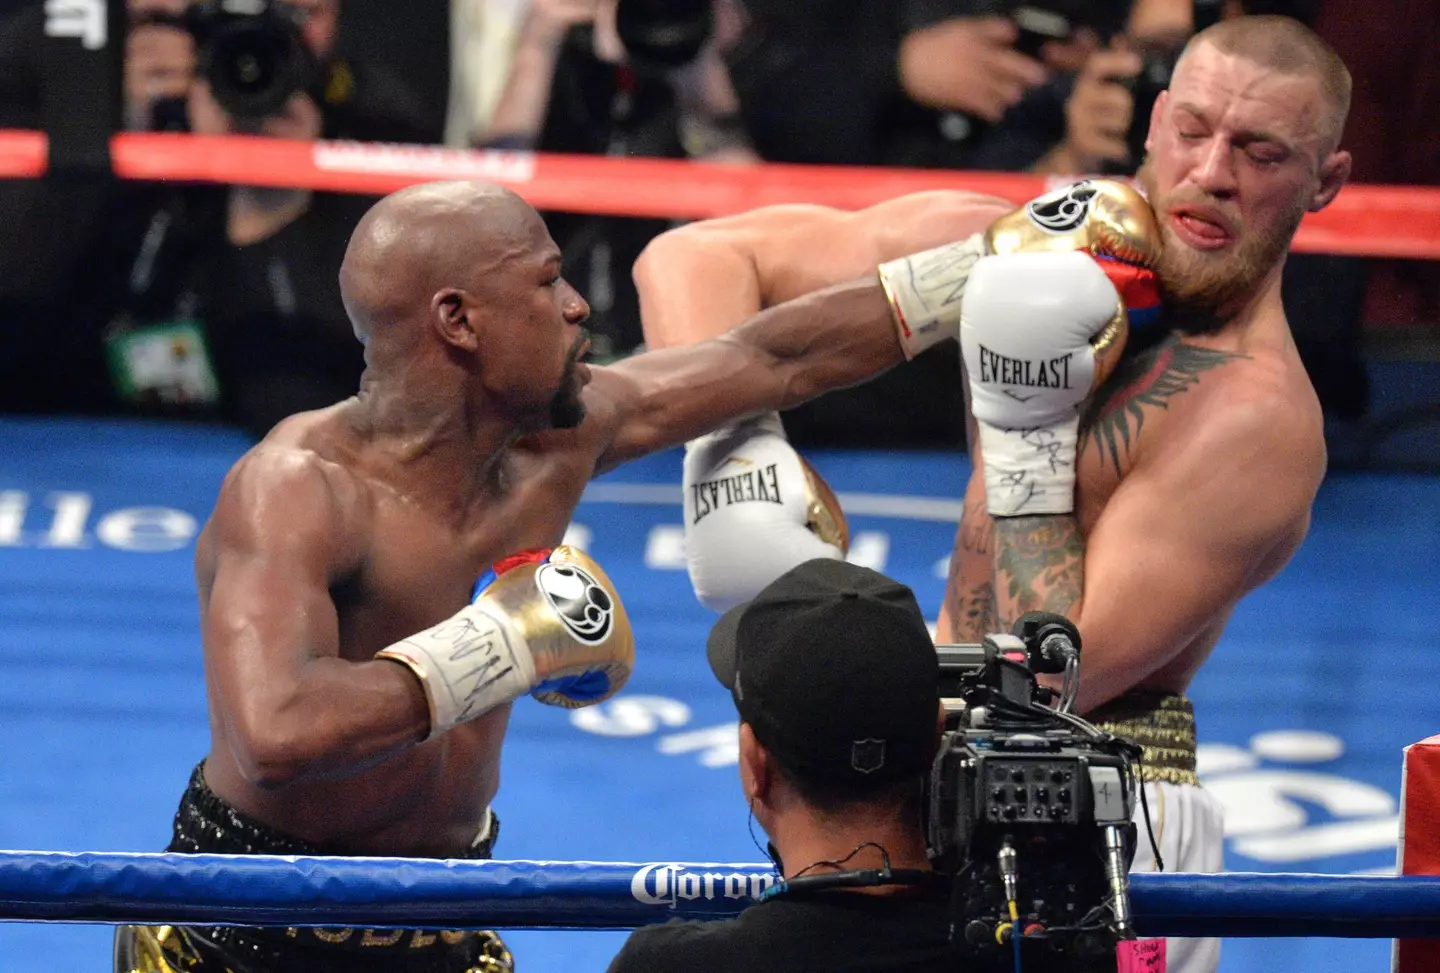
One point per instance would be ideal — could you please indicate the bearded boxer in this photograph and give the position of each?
(1189, 478)
(360, 678)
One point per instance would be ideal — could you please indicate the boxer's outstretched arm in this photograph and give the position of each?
(289, 706)
(1177, 546)
(702, 279)
(780, 358)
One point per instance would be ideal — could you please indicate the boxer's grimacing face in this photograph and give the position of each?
(1237, 154)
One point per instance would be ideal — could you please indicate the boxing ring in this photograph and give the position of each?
(633, 808)
(381, 893)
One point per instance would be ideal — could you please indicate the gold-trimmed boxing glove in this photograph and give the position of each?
(1104, 217)
(547, 623)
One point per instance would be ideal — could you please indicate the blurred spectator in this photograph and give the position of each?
(484, 35)
(1394, 130)
(198, 300)
(816, 79)
(619, 77)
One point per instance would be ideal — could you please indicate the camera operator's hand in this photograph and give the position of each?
(548, 20)
(1097, 116)
(968, 64)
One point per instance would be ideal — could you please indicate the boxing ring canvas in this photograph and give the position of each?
(1322, 678)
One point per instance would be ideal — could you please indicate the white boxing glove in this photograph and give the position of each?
(1106, 217)
(753, 510)
(1038, 332)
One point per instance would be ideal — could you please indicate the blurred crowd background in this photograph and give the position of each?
(221, 303)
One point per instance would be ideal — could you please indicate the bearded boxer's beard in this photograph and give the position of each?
(566, 409)
(1202, 291)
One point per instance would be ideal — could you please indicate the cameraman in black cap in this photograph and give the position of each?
(836, 679)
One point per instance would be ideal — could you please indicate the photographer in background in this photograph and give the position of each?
(628, 78)
(232, 305)
(836, 681)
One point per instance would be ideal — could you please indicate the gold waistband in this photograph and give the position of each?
(179, 949)
(1163, 724)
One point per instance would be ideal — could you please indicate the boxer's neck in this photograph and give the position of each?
(1253, 323)
(430, 433)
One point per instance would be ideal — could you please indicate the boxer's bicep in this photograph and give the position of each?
(819, 252)
(279, 546)
(697, 281)
(1181, 541)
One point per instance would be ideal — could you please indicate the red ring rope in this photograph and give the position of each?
(1364, 221)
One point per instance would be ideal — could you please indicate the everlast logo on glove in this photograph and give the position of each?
(997, 369)
(748, 487)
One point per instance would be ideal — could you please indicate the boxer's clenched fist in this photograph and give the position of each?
(549, 624)
(1039, 332)
(1102, 217)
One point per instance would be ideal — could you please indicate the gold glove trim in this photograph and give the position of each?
(1103, 216)
(823, 514)
(172, 949)
(1163, 724)
(1109, 345)
(906, 336)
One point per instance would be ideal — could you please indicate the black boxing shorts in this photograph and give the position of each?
(205, 824)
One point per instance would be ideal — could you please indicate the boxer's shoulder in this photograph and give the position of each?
(1254, 413)
(1194, 395)
(291, 490)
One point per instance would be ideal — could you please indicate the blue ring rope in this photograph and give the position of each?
(111, 887)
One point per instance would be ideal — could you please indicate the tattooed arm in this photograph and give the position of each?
(1040, 561)
(1205, 516)
(1003, 567)
(968, 612)
(1039, 565)
(1201, 520)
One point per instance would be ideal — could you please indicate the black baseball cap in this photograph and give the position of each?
(833, 668)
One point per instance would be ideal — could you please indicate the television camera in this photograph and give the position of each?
(1029, 809)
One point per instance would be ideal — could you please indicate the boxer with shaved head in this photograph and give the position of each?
(380, 580)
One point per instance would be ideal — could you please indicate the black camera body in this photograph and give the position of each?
(252, 53)
(1028, 805)
(663, 35)
(1037, 22)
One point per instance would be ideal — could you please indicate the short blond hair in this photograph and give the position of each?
(1286, 45)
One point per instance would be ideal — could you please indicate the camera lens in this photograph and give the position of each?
(255, 62)
(662, 35)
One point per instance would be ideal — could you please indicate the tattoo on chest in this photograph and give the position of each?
(1150, 379)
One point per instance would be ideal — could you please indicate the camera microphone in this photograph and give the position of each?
(1053, 640)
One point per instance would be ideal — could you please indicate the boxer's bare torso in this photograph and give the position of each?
(355, 527)
(1155, 400)
(399, 561)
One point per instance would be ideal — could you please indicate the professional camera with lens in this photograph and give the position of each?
(251, 52)
(663, 35)
(1029, 808)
